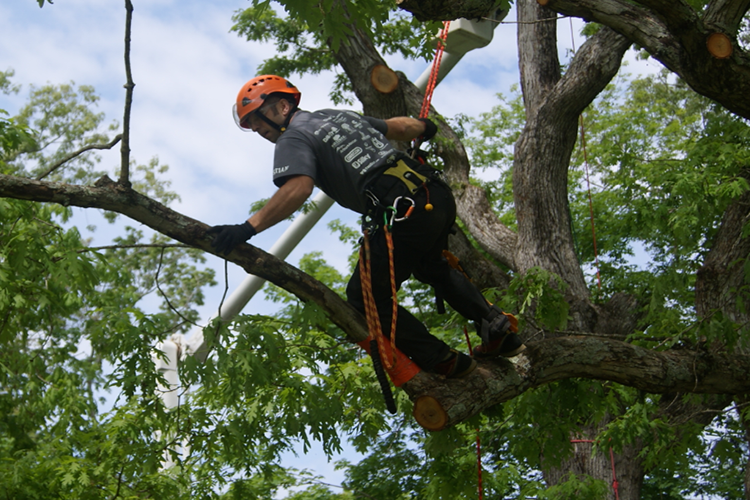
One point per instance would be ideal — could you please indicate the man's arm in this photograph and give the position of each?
(289, 197)
(404, 128)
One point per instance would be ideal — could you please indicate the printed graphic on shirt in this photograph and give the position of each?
(354, 140)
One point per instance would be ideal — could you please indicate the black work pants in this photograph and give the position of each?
(418, 243)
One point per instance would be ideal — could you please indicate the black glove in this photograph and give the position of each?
(430, 129)
(225, 238)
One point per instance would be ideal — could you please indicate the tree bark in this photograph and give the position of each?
(542, 153)
(444, 10)
(667, 372)
(554, 103)
(494, 382)
(676, 35)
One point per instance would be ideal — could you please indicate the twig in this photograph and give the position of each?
(166, 299)
(142, 245)
(65, 160)
(125, 147)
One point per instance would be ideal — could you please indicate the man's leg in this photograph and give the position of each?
(492, 325)
(453, 286)
(410, 239)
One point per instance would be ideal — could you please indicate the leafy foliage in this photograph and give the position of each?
(78, 322)
(301, 36)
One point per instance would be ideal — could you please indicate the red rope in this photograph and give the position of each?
(432, 81)
(479, 467)
(588, 183)
(615, 484)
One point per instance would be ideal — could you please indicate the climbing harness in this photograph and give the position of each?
(379, 349)
(385, 355)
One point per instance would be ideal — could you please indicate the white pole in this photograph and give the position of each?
(167, 366)
(463, 36)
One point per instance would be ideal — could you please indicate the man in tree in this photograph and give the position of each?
(349, 157)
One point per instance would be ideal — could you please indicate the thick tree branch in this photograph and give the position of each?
(726, 14)
(108, 195)
(452, 401)
(446, 10)
(494, 382)
(542, 152)
(678, 39)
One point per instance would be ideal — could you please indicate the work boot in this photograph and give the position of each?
(456, 365)
(497, 337)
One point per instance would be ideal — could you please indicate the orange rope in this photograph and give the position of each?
(371, 310)
(392, 268)
(432, 81)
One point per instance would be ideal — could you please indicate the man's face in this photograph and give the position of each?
(275, 113)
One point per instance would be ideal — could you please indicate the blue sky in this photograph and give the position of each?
(187, 68)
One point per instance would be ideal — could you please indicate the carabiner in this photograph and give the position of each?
(408, 210)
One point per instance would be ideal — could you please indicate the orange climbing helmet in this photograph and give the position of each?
(254, 93)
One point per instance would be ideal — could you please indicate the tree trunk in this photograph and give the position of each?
(553, 105)
(623, 472)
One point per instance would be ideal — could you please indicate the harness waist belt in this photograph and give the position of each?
(411, 178)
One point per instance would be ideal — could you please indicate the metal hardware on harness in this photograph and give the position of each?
(412, 179)
(408, 210)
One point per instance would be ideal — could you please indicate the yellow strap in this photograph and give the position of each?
(400, 170)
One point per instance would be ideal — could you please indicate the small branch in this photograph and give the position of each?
(117, 247)
(539, 21)
(125, 148)
(166, 298)
(65, 160)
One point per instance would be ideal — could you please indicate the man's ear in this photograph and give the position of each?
(286, 107)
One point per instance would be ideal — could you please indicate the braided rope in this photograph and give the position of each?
(392, 268)
(371, 310)
(432, 81)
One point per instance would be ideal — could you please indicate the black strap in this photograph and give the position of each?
(390, 404)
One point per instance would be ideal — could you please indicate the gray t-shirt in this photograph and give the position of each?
(342, 151)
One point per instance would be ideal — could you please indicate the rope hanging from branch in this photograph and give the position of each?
(588, 181)
(432, 81)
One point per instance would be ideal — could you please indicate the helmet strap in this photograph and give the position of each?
(279, 128)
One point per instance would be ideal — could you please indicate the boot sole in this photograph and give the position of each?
(514, 352)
